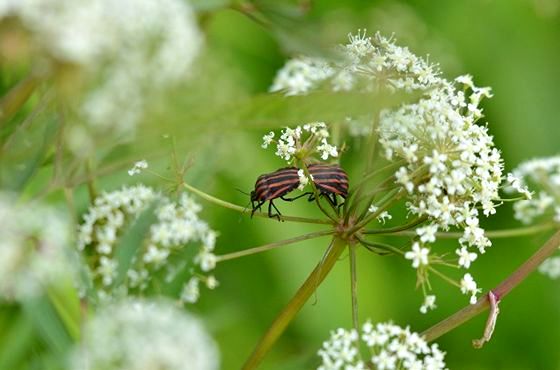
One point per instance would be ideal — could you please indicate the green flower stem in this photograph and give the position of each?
(267, 247)
(354, 287)
(504, 288)
(398, 229)
(296, 303)
(355, 192)
(506, 233)
(16, 97)
(387, 201)
(237, 208)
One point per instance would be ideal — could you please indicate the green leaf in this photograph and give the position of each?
(132, 241)
(17, 342)
(48, 323)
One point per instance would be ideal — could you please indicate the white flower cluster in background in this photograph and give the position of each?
(365, 63)
(33, 247)
(542, 175)
(144, 335)
(178, 227)
(303, 141)
(132, 49)
(390, 347)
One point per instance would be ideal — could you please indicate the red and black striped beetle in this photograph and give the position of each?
(330, 180)
(274, 185)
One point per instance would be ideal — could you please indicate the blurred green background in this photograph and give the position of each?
(511, 45)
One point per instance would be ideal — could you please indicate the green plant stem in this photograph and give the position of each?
(354, 287)
(267, 247)
(385, 203)
(506, 233)
(504, 288)
(237, 208)
(296, 303)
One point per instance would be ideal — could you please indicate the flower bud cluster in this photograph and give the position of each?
(302, 142)
(178, 229)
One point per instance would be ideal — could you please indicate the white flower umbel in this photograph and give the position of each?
(390, 347)
(144, 335)
(129, 49)
(178, 228)
(33, 247)
(364, 63)
(302, 142)
(542, 175)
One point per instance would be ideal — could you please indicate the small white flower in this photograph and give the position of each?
(138, 167)
(465, 257)
(518, 186)
(429, 304)
(191, 292)
(267, 140)
(418, 255)
(468, 286)
(303, 179)
(427, 234)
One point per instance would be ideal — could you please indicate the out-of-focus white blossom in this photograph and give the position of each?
(542, 175)
(429, 304)
(144, 335)
(303, 141)
(390, 347)
(33, 247)
(366, 63)
(132, 49)
(551, 267)
(468, 286)
(303, 179)
(138, 167)
(178, 227)
(300, 75)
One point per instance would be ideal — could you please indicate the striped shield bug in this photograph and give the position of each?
(330, 180)
(272, 186)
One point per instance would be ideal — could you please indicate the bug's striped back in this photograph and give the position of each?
(276, 184)
(329, 178)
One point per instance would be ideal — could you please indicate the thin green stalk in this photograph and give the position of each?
(296, 303)
(267, 247)
(397, 229)
(354, 287)
(223, 203)
(386, 202)
(16, 97)
(506, 233)
(504, 288)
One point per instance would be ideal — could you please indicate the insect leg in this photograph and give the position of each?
(277, 215)
(299, 196)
